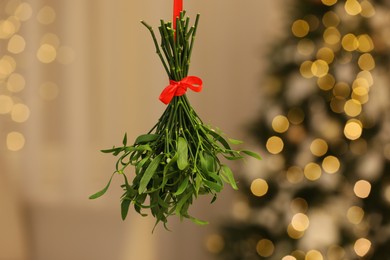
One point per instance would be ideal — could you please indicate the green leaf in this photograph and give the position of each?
(219, 138)
(253, 154)
(101, 193)
(112, 150)
(182, 202)
(235, 141)
(182, 187)
(198, 221)
(149, 172)
(125, 140)
(198, 183)
(213, 185)
(227, 172)
(182, 152)
(146, 138)
(125, 207)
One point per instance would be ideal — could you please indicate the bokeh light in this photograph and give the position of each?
(15, 141)
(362, 189)
(362, 246)
(259, 187)
(265, 248)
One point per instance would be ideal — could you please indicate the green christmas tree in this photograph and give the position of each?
(323, 191)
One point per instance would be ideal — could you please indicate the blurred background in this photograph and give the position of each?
(304, 83)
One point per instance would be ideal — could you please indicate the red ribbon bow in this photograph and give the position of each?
(179, 88)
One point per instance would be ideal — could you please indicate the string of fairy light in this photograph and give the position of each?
(341, 65)
(15, 51)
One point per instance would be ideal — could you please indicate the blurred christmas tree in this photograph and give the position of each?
(323, 191)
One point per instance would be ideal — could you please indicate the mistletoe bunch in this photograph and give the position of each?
(179, 158)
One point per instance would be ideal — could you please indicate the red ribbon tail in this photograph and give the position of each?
(167, 94)
(177, 8)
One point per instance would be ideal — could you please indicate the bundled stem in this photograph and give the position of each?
(178, 159)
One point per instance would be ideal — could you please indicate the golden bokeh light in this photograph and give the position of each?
(293, 233)
(350, 42)
(362, 246)
(326, 82)
(215, 243)
(289, 257)
(312, 171)
(341, 89)
(20, 113)
(314, 255)
(352, 7)
(352, 108)
(329, 2)
(46, 53)
(48, 91)
(331, 164)
(274, 144)
(305, 47)
(300, 222)
(259, 187)
(265, 248)
(330, 19)
(7, 66)
(24, 11)
(51, 39)
(16, 82)
(366, 62)
(353, 129)
(296, 116)
(6, 104)
(355, 215)
(368, 9)
(299, 205)
(337, 104)
(365, 43)
(46, 15)
(16, 44)
(7, 29)
(294, 174)
(366, 76)
(335, 252)
(360, 94)
(280, 124)
(305, 69)
(326, 54)
(331, 35)
(15, 141)
(300, 28)
(362, 189)
(319, 68)
(319, 147)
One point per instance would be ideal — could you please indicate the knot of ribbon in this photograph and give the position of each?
(179, 88)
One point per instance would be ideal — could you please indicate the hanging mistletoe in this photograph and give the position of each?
(180, 157)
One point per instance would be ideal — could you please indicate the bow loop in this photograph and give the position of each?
(179, 88)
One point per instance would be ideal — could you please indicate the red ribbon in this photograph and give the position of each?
(177, 8)
(179, 88)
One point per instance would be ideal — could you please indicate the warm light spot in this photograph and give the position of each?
(293, 233)
(305, 47)
(330, 19)
(300, 222)
(362, 189)
(241, 209)
(362, 246)
(319, 147)
(365, 43)
(48, 91)
(300, 28)
(51, 39)
(215, 243)
(367, 76)
(350, 42)
(368, 9)
(331, 164)
(337, 104)
(16, 82)
(314, 255)
(335, 252)
(7, 66)
(326, 54)
(16, 44)
(326, 82)
(289, 257)
(352, 7)
(7, 29)
(366, 62)
(296, 116)
(259, 187)
(65, 55)
(329, 2)
(265, 248)
(360, 94)
(341, 89)
(312, 171)
(352, 108)
(46, 53)
(6, 104)
(24, 11)
(355, 215)
(306, 69)
(353, 129)
(319, 68)
(331, 35)
(294, 174)
(299, 205)
(15, 141)
(275, 144)
(20, 113)
(46, 15)
(280, 124)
